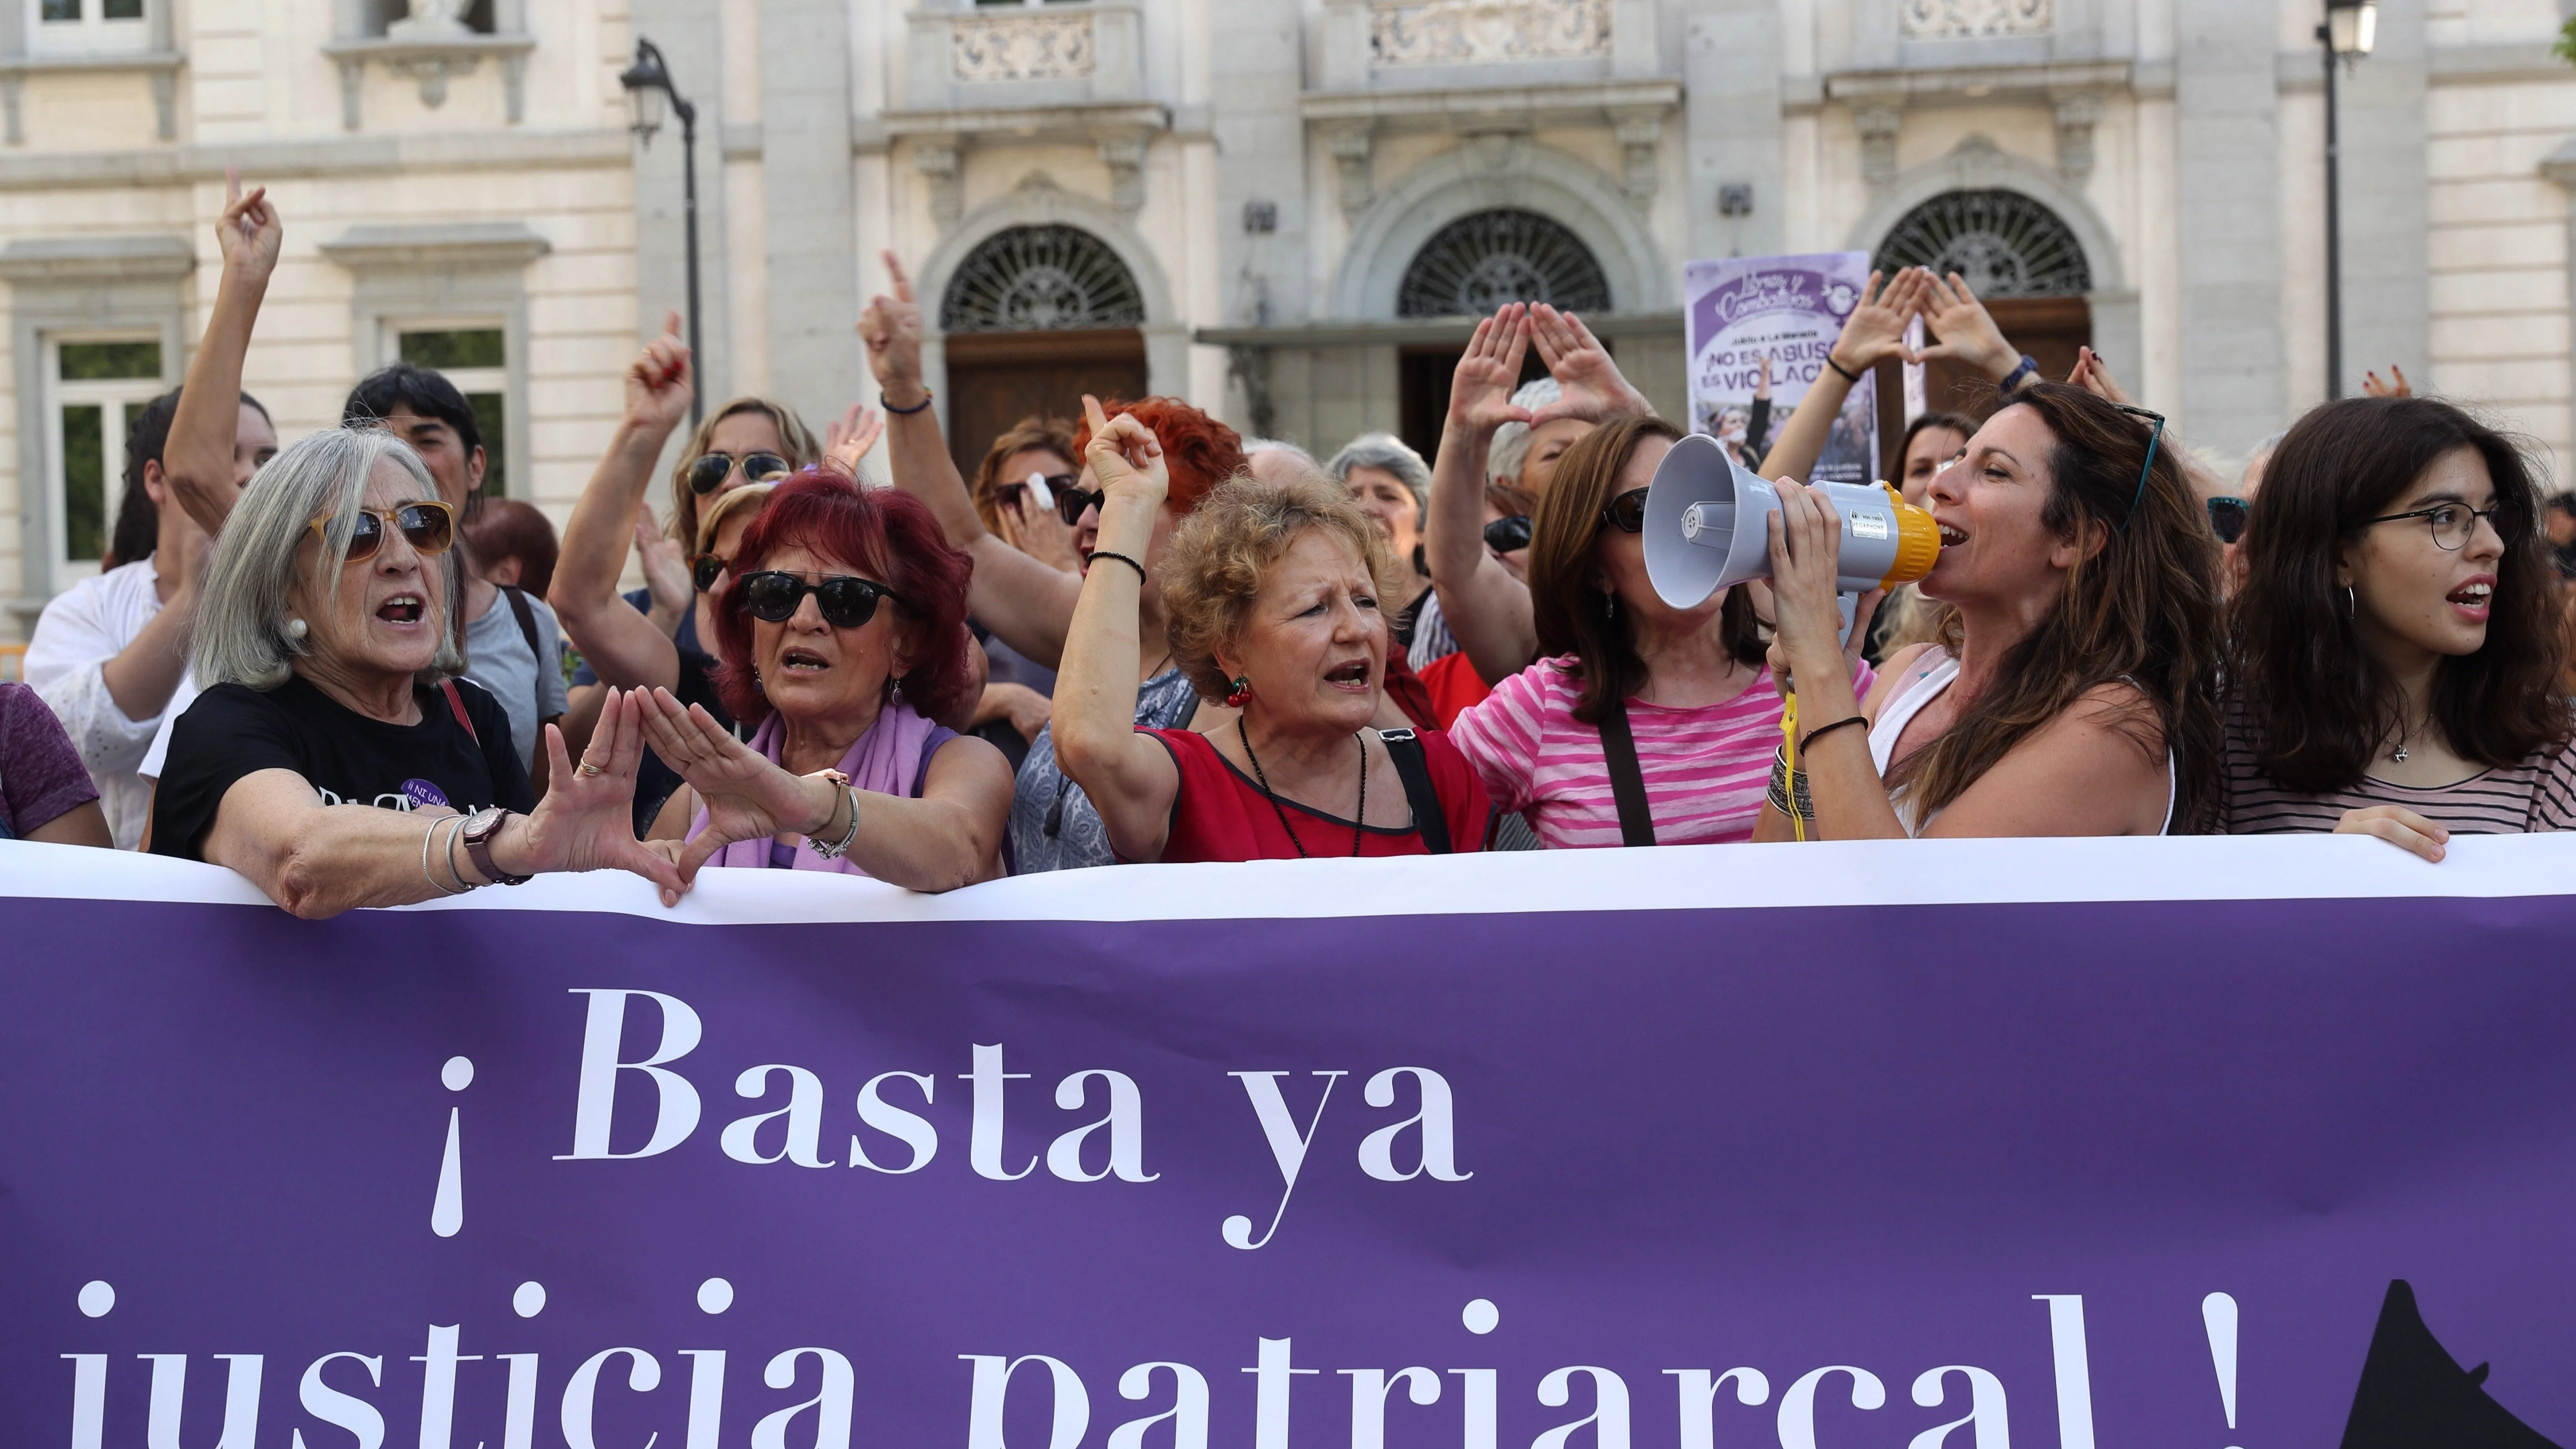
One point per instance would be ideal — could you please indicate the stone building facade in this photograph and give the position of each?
(1274, 207)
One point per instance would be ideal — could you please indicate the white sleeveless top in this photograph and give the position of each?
(1919, 688)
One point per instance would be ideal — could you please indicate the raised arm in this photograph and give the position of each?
(1485, 607)
(1589, 384)
(623, 645)
(1024, 602)
(1967, 330)
(1131, 779)
(198, 459)
(1874, 332)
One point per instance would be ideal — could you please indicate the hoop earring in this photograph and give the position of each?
(1238, 690)
(2348, 603)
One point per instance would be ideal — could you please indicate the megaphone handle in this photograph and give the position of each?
(1849, 607)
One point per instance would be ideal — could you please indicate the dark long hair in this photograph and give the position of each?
(1566, 608)
(2315, 703)
(138, 520)
(2141, 609)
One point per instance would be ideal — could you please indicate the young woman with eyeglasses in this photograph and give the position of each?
(2075, 692)
(2395, 646)
(1646, 724)
(844, 638)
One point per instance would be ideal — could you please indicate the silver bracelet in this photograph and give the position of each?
(458, 829)
(426, 837)
(834, 850)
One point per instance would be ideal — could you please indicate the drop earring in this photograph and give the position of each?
(1238, 689)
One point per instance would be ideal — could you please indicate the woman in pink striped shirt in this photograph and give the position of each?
(1650, 725)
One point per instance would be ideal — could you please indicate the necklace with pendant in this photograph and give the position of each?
(2398, 754)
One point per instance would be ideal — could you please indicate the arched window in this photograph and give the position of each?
(1477, 263)
(2002, 242)
(1041, 279)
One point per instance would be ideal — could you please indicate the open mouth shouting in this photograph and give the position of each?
(1353, 676)
(2473, 598)
(403, 609)
(798, 660)
(1951, 536)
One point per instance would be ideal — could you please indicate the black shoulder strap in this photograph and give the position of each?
(1404, 747)
(518, 598)
(1627, 782)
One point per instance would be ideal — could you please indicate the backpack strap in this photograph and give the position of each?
(1627, 782)
(456, 703)
(1404, 747)
(518, 598)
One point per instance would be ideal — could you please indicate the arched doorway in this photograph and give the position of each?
(1034, 317)
(1467, 269)
(2022, 260)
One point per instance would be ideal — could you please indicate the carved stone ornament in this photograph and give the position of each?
(1974, 19)
(1352, 143)
(1480, 32)
(1035, 45)
(1877, 126)
(940, 165)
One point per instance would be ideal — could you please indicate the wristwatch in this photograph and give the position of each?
(480, 828)
(2013, 380)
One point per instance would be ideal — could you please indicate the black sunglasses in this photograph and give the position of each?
(773, 596)
(704, 567)
(1071, 502)
(1627, 512)
(1010, 494)
(2227, 518)
(1509, 535)
(708, 473)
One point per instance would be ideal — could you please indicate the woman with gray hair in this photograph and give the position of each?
(332, 724)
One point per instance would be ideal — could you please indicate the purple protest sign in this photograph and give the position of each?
(1675, 1149)
(1739, 311)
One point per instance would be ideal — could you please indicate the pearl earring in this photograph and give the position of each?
(296, 629)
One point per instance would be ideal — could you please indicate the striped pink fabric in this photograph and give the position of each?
(1705, 768)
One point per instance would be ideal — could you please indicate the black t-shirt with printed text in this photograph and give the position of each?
(233, 731)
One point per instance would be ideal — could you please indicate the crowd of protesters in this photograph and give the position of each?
(338, 668)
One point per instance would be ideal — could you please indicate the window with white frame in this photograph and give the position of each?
(474, 355)
(87, 27)
(94, 388)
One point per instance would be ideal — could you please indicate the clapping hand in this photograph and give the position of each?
(658, 385)
(891, 330)
(1590, 385)
(1126, 457)
(1480, 391)
(746, 797)
(249, 234)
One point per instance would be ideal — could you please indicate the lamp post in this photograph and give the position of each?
(648, 89)
(2351, 27)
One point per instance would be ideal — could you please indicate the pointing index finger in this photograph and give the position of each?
(902, 282)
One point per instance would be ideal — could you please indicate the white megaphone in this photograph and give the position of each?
(1708, 528)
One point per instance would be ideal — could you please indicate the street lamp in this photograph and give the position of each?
(2351, 28)
(648, 91)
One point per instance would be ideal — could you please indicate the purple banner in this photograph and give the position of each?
(2067, 1172)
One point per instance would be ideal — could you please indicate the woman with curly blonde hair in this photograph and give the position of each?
(1272, 597)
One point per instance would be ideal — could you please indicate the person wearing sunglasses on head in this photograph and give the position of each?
(2076, 692)
(1646, 724)
(2396, 647)
(1029, 605)
(1274, 604)
(334, 758)
(845, 639)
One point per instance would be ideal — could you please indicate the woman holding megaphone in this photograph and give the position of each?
(2077, 695)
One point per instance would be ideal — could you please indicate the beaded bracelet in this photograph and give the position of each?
(906, 412)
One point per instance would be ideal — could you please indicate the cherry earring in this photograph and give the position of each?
(1238, 690)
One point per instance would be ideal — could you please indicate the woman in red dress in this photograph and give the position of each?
(1274, 607)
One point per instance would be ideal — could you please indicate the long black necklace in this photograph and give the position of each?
(1282, 811)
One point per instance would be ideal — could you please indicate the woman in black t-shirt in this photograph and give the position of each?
(332, 724)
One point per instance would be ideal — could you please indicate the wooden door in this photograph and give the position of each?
(997, 378)
(2050, 329)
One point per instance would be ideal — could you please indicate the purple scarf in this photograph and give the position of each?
(889, 759)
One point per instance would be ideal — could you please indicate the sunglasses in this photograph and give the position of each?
(2227, 518)
(708, 473)
(1627, 512)
(1048, 486)
(2153, 439)
(1509, 535)
(704, 567)
(773, 596)
(1071, 503)
(430, 529)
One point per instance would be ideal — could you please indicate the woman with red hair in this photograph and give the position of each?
(1027, 604)
(843, 640)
